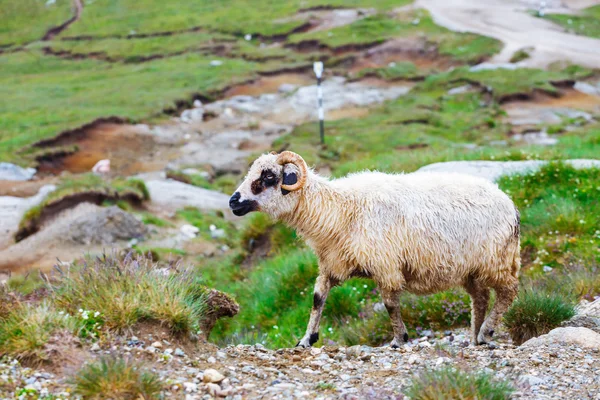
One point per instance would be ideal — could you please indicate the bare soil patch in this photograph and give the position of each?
(269, 84)
(129, 149)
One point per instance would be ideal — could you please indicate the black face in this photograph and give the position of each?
(267, 179)
(240, 208)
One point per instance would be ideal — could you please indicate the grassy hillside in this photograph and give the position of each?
(135, 59)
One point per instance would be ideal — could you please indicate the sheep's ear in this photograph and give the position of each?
(289, 179)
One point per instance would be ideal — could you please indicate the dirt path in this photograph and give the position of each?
(508, 21)
(52, 32)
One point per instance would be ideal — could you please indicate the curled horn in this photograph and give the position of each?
(288, 157)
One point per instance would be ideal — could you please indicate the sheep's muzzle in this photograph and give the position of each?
(240, 208)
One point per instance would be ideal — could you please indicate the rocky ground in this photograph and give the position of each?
(542, 370)
(561, 364)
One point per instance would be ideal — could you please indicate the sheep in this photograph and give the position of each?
(422, 232)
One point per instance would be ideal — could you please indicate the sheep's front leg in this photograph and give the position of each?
(322, 287)
(391, 300)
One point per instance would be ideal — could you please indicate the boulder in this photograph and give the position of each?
(173, 195)
(84, 228)
(578, 336)
(588, 316)
(494, 170)
(12, 172)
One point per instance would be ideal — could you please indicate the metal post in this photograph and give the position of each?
(318, 68)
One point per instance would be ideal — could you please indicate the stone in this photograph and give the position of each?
(493, 170)
(287, 88)
(491, 67)
(459, 89)
(179, 353)
(579, 336)
(157, 345)
(213, 389)
(190, 387)
(12, 172)
(212, 375)
(532, 380)
(95, 347)
(211, 360)
(173, 195)
(587, 88)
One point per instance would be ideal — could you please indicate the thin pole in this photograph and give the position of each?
(318, 68)
(321, 111)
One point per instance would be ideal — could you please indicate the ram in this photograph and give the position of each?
(421, 232)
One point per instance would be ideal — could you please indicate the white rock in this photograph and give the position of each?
(459, 89)
(189, 230)
(494, 170)
(213, 376)
(583, 337)
(489, 66)
(413, 359)
(211, 360)
(12, 172)
(213, 389)
(157, 345)
(190, 387)
(197, 103)
(179, 353)
(95, 347)
(216, 63)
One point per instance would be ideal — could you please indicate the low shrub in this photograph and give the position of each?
(535, 313)
(26, 330)
(128, 290)
(451, 383)
(116, 378)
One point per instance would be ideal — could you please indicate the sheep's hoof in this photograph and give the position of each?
(396, 344)
(485, 336)
(307, 342)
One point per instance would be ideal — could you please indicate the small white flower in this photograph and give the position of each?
(97, 313)
(275, 327)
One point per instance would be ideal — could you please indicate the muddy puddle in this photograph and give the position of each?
(129, 150)
(270, 84)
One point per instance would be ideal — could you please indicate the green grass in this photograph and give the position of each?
(119, 378)
(204, 220)
(586, 24)
(460, 47)
(133, 50)
(232, 16)
(26, 330)
(467, 47)
(84, 90)
(535, 313)
(17, 16)
(151, 219)
(504, 83)
(560, 214)
(451, 383)
(127, 291)
(396, 71)
(520, 55)
(118, 189)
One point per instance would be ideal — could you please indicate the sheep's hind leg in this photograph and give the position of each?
(322, 287)
(391, 300)
(505, 295)
(480, 299)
